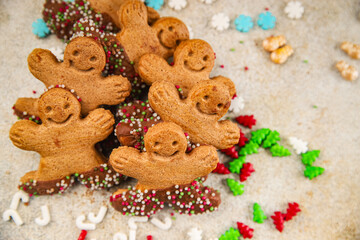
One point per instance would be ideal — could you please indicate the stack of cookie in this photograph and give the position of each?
(159, 122)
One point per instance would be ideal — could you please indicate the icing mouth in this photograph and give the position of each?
(66, 120)
(191, 68)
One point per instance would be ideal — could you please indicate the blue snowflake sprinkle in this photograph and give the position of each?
(244, 23)
(155, 4)
(69, 0)
(266, 21)
(40, 29)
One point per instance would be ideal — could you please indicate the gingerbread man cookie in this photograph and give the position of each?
(200, 112)
(138, 38)
(193, 62)
(164, 167)
(84, 60)
(64, 141)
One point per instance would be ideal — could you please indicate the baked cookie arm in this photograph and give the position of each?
(132, 13)
(113, 90)
(100, 123)
(26, 105)
(44, 66)
(229, 133)
(127, 161)
(203, 160)
(26, 135)
(154, 68)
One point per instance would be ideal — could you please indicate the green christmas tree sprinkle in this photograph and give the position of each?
(309, 158)
(260, 135)
(258, 214)
(271, 139)
(249, 148)
(231, 234)
(312, 172)
(279, 151)
(236, 187)
(236, 165)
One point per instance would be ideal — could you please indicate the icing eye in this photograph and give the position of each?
(76, 53)
(171, 28)
(220, 105)
(93, 59)
(174, 143)
(206, 97)
(206, 58)
(66, 106)
(190, 53)
(48, 109)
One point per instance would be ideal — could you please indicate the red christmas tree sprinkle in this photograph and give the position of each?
(221, 169)
(149, 237)
(278, 218)
(82, 235)
(246, 171)
(246, 120)
(242, 139)
(245, 231)
(231, 152)
(292, 211)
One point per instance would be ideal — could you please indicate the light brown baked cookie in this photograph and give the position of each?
(199, 113)
(112, 6)
(64, 141)
(84, 61)
(138, 38)
(193, 62)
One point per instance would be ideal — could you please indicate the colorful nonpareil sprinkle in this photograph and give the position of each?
(243, 23)
(231, 152)
(272, 138)
(177, 4)
(258, 214)
(237, 164)
(260, 135)
(310, 157)
(221, 169)
(40, 29)
(220, 21)
(231, 234)
(292, 211)
(266, 21)
(155, 4)
(246, 120)
(249, 148)
(294, 10)
(246, 171)
(312, 172)
(279, 151)
(235, 187)
(245, 231)
(278, 220)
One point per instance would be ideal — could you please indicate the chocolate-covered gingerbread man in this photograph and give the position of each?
(162, 169)
(65, 143)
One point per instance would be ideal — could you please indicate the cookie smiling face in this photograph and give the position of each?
(58, 107)
(163, 143)
(197, 56)
(85, 55)
(170, 32)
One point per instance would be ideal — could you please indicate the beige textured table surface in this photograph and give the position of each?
(280, 97)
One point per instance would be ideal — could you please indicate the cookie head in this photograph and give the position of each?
(195, 55)
(165, 139)
(58, 106)
(85, 54)
(170, 32)
(211, 98)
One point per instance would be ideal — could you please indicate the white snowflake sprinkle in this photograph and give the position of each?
(299, 145)
(195, 234)
(237, 104)
(294, 10)
(220, 22)
(58, 52)
(177, 4)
